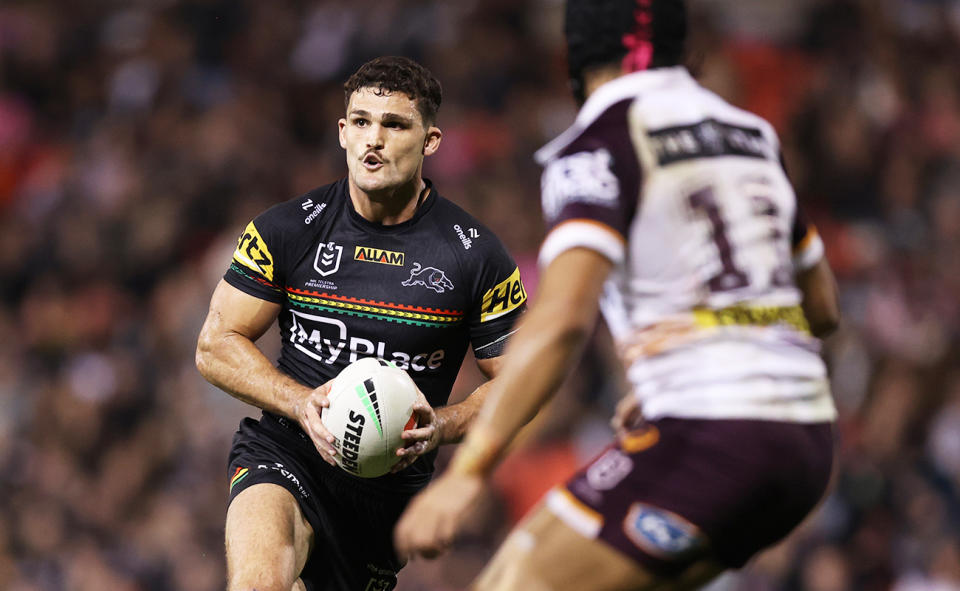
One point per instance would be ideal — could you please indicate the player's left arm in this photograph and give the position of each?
(498, 301)
(454, 421)
(447, 424)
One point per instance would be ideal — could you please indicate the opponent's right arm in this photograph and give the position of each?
(814, 278)
(228, 358)
(820, 302)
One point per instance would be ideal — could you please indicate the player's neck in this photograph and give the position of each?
(594, 78)
(389, 207)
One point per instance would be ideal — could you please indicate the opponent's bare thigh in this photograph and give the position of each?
(545, 554)
(268, 540)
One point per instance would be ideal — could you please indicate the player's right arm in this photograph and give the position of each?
(228, 358)
(244, 305)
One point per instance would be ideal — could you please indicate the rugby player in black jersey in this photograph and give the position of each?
(375, 264)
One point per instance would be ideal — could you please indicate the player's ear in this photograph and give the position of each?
(432, 142)
(342, 124)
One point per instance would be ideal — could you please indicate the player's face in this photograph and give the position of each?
(386, 140)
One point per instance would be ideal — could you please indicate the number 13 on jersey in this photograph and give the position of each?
(759, 234)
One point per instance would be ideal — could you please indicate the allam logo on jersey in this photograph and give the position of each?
(429, 277)
(584, 177)
(503, 298)
(326, 340)
(377, 255)
(252, 252)
(328, 258)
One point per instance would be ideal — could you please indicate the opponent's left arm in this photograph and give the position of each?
(538, 358)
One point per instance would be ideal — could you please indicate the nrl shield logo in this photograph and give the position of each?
(328, 258)
(429, 277)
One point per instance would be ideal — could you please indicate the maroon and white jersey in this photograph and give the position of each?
(687, 196)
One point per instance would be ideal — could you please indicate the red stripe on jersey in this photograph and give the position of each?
(373, 302)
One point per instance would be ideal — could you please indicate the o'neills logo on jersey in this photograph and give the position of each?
(503, 298)
(326, 340)
(377, 255)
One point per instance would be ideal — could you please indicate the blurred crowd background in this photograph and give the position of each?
(138, 138)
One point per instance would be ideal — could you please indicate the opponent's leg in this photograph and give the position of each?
(544, 554)
(268, 540)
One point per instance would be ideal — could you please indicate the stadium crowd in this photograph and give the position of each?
(137, 139)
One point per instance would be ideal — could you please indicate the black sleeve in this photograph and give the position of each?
(499, 299)
(255, 270)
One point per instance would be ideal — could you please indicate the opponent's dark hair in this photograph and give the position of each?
(398, 74)
(640, 34)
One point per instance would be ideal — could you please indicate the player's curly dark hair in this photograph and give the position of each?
(398, 74)
(649, 33)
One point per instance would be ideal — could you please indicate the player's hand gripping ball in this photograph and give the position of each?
(371, 405)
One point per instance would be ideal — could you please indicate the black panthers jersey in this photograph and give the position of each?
(415, 293)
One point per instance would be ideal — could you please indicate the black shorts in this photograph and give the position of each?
(677, 490)
(352, 521)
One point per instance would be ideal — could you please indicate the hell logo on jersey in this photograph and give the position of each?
(429, 277)
(503, 298)
(376, 255)
(328, 258)
(252, 252)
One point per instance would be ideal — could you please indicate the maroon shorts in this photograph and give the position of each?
(677, 490)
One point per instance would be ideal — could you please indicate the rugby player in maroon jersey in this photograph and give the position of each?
(675, 207)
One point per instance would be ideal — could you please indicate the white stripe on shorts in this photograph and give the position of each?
(571, 511)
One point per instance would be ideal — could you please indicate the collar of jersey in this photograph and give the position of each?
(621, 88)
(367, 225)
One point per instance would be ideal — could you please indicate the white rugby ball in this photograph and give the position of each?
(371, 404)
